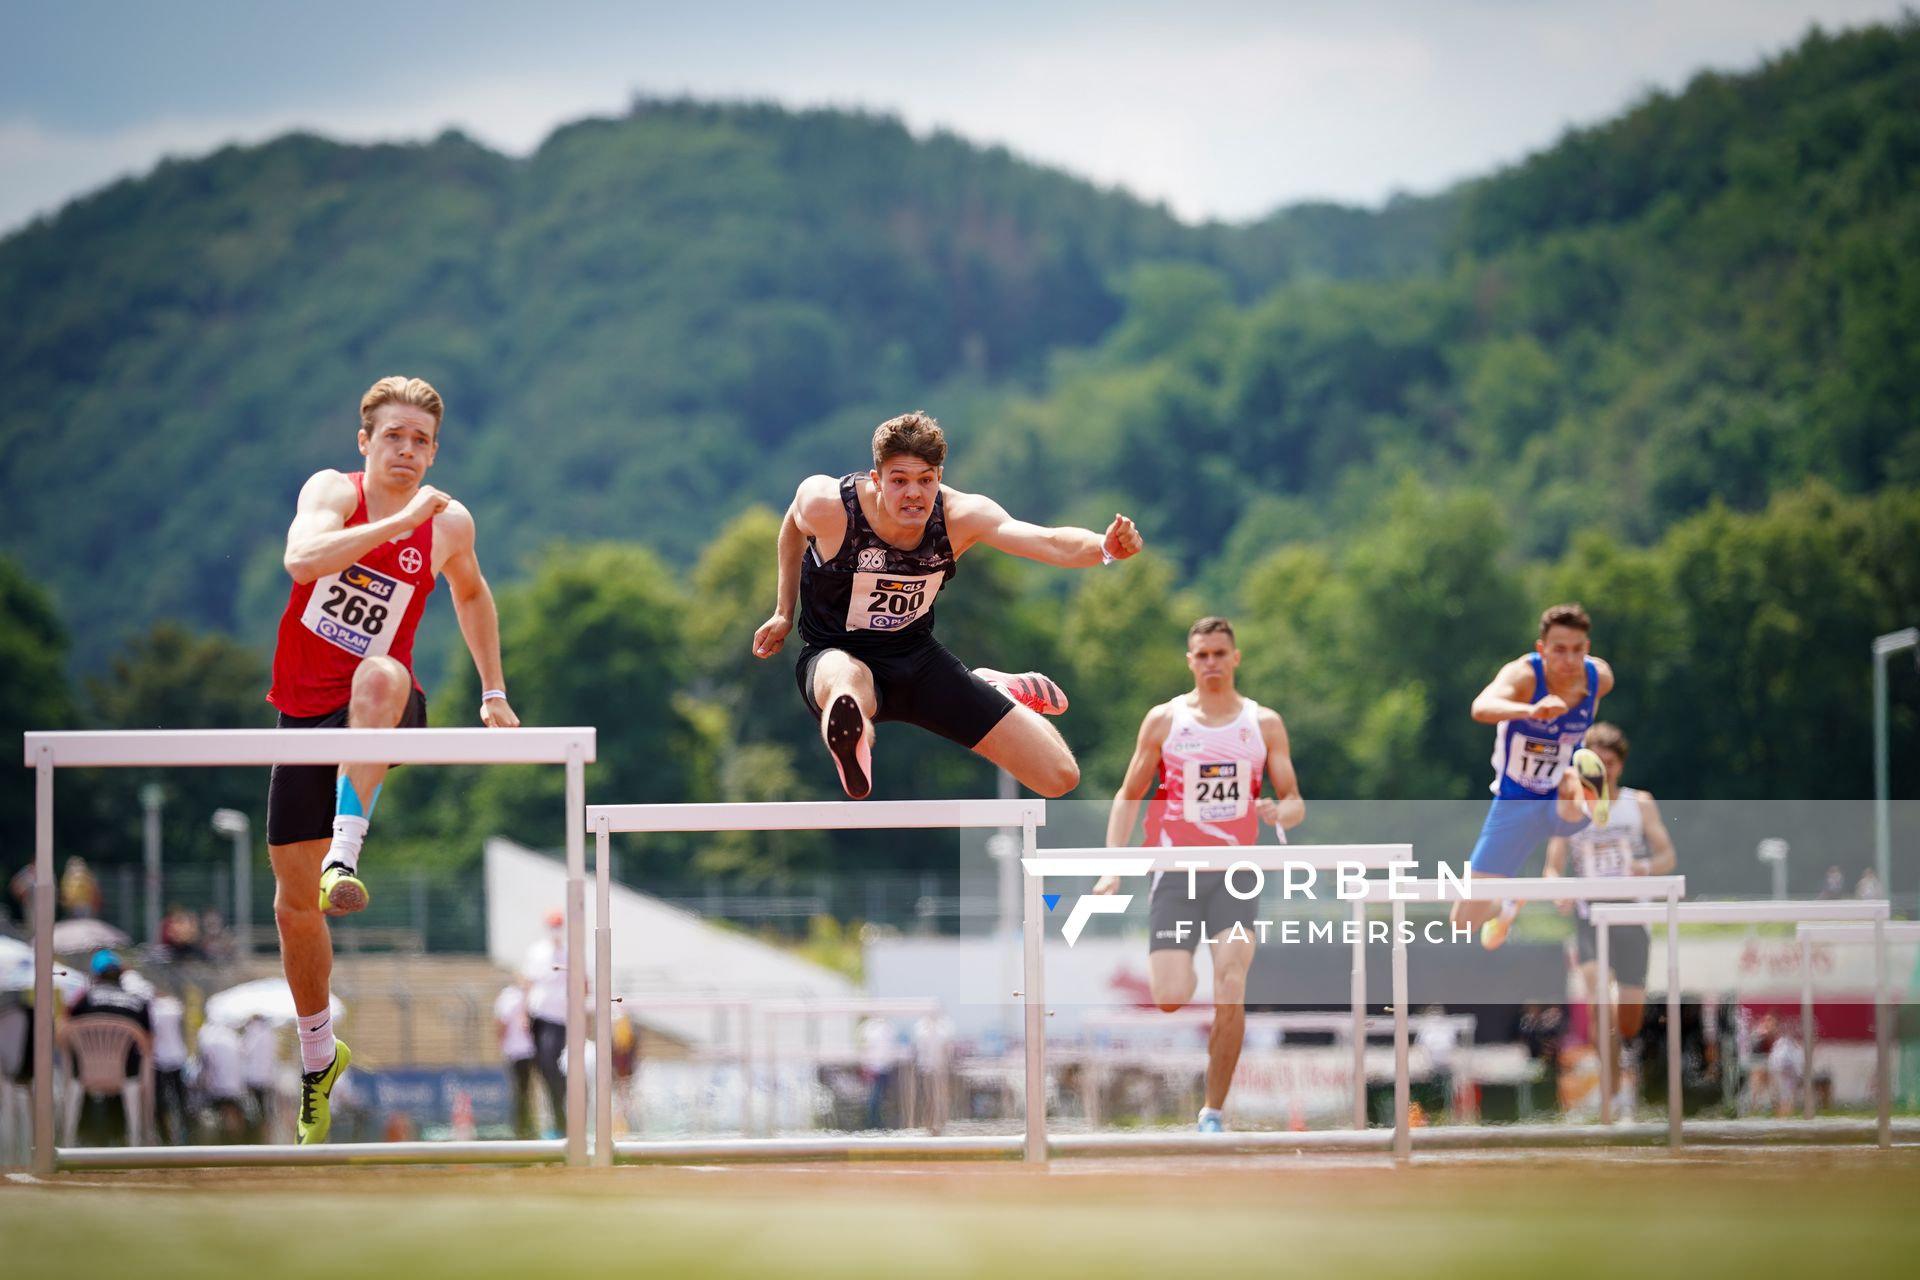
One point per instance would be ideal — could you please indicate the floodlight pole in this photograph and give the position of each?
(153, 797)
(234, 823)
(1884, 647)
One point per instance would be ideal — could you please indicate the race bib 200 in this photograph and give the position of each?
(889, 602)
(357, 610)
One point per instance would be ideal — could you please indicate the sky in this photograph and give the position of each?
(1217, 109)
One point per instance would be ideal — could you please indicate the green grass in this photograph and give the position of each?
(1746, 1214)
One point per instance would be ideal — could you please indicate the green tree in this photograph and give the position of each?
(595, 636)
(173, 678)
(33, 695)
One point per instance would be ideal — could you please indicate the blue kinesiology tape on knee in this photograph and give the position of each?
(346, 801)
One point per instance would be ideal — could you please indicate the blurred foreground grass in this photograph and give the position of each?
(1710, 1213)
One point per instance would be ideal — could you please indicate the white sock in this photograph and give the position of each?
(1209, 1113)
(1508, 910)
(349, 833)
(316, 1040)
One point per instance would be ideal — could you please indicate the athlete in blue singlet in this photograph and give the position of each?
(1543, 704)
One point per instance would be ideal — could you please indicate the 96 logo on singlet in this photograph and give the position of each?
(357, 610)
(1216, 790)
(888, 602)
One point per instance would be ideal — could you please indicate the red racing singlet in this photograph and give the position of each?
(369, 609)
(1209, 779)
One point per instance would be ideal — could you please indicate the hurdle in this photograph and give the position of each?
(830, 815)
(1518, 889)
(1808, 934)
(1139, 861)
(212, 748)
(1875, 911)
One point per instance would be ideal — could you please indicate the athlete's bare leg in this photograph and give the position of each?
(1471, 913)
(843, 690)
(1632, 1008)
(306, 947)
(1232, 958)
(1032, 750)
(1171, 977)
(381, 688)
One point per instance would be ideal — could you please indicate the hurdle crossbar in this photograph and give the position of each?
(1873, 912)
(1518, 889)
(1882, 935)
(45, 752)
(875, 815)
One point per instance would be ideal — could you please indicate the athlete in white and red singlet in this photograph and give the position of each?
(363, 552)
(1224, 767)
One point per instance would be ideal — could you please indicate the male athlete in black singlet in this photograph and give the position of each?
(864, 556)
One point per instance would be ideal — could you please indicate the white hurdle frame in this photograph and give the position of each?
(1875, 911)
(215, 748)
(1881, 935)
(830, 815)
(1516, 889)
(1174, 860)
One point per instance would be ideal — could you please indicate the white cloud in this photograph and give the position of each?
(1218, 114)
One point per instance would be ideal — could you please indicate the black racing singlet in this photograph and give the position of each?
(872, 596)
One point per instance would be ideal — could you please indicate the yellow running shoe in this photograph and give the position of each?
(1593, 781)
(1494, 932)
(316, 1096)
(341, 892)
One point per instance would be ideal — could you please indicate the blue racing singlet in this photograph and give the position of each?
(1529, 755)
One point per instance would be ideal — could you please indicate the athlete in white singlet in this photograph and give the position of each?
(1632, 842)
(1223, 767)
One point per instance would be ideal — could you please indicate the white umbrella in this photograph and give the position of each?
(80, 934)
(16, 969)
(268, 998)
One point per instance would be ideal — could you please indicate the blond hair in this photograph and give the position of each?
(417, 392)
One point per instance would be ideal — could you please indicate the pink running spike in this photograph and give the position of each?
(1029, 689)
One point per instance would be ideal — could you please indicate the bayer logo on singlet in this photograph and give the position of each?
(872, 560)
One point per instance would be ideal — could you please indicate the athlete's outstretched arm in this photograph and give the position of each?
(318, 541)
(479, 618)
(1134, 786)
(795, 529)
(1283, 806)
(972, 518)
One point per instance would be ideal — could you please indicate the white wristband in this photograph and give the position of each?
(1106, 557)
(489, 695)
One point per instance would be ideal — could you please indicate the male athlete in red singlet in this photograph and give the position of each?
(363, 552)
(1223, 766)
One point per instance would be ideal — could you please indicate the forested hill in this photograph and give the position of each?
(1668, 366)
(634, 327)
(657, 320)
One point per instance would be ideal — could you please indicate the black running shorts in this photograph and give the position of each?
(1176, 921)
(922, 684)
(1627, 947)
(300, 796)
